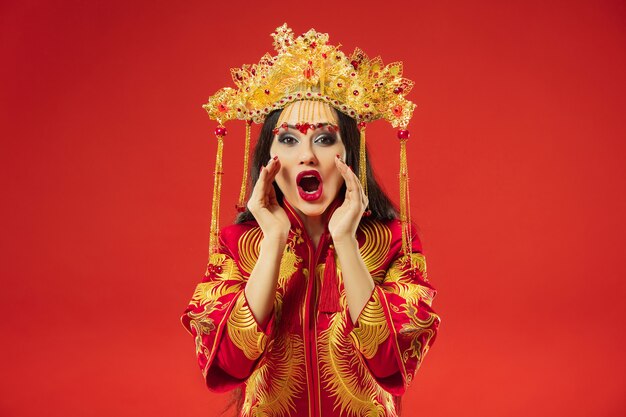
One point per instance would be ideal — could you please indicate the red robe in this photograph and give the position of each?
(307, 360)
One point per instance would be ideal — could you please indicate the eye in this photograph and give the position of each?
(326, 140)
(288, 140)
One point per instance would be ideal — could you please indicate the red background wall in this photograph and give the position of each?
(517, 164)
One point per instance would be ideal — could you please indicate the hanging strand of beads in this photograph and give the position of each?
(220, 132)
(362, 161)
(241, 205)
(405, 208)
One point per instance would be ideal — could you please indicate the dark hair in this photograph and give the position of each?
(379, 204)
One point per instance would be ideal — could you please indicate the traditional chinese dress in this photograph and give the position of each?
(309, 359)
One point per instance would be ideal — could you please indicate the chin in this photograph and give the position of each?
(311, 210)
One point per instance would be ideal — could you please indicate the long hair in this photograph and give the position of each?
(379, 203)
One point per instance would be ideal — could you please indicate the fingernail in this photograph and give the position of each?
(275, 158)
(337, 155)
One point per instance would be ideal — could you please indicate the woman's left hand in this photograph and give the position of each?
(345, 220)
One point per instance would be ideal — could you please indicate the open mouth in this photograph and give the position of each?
(309, 185)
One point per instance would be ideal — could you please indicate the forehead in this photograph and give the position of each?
(308, 111)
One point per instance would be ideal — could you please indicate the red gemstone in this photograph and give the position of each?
(324, 56)
(339, 85)
(267, 91)
(403, 134)
(303, 127)
(355, 64)
(220, 131)
(222, 108)
(398, 90)
(361, 125)
(275, 131)
(366, 104)
(355, 92)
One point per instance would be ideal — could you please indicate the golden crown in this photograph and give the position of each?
(308, 68)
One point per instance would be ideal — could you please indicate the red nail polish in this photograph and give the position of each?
(337, 155)
(275, 158)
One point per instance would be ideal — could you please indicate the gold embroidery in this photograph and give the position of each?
(356, 393)
(222, 271)
(290, 260)
(243, 331)
(418, 330)
(398, 279)
(278, 381)
(376, 245)
(373, 328)
(249, 246)
(202, 324)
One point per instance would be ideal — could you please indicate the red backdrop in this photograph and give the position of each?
(517, 166)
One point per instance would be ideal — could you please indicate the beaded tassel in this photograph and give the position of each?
(220, 132)
(329, 298)
(405, 207)
(241, 205)
(362, 162)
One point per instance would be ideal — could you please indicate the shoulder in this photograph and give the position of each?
(231, 235)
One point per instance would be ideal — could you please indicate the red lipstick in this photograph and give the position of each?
(310, 185)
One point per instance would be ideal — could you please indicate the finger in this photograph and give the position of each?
(272, 170)
(259, 187)
(353, 182)
(345, 172)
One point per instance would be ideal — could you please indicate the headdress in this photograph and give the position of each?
(308, 68)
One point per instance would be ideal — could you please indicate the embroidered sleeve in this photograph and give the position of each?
(371, 328)
(397, 326)
(228, 339)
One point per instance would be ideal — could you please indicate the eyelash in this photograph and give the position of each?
(324, 140)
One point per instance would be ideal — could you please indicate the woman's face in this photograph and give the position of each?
(308, 176)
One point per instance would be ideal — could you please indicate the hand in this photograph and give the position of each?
(264, 207)
(345, 220)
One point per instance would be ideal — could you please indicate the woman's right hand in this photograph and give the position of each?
(263, 205)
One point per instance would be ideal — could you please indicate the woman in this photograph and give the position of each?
(316, 308)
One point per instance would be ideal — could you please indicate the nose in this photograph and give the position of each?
(307, 156)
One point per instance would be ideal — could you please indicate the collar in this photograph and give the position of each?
(296, 220)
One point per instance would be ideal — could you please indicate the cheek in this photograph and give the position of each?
(336, 179)
(282, 179)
